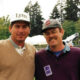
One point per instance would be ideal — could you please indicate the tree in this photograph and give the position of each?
(35, 18)
(4, 25)
(55, 13)
(71, 10)
(69, 27)
(77, 26)
(58, 11)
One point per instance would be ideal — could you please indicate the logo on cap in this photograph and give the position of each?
(47, 22)
(20, 15)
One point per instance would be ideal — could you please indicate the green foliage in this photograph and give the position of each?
(55, 13)
(66, 10)
(70, 24)
(35, 18)
(4, 24)
(77, 26)
(71, 10)
(69, 27)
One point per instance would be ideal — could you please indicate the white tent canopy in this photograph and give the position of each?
(40, 40)
(36, 40)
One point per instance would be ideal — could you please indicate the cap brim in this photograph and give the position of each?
(47, 28)
(19, 20)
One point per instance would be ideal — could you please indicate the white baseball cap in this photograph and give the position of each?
(19, 16)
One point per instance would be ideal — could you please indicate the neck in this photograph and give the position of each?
(57, 48)
(19, 43)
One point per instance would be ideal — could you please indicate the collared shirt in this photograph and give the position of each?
(19, 49)
(66, 49)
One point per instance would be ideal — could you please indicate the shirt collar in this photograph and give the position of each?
(66, 48)
(14, 44)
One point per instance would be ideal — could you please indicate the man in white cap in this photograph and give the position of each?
(16, 57)
(58, 61)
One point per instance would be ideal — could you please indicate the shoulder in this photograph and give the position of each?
(75, 50)
(4, 42)
(30, 47)
(41, 55)
(41, 52)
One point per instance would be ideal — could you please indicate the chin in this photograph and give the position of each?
(53, 45)
(20, 39)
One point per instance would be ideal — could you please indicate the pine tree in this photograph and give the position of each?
(71, 10)
(55, 13)
(35, 18)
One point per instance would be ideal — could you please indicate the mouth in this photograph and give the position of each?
(51, 39)
(20, 35)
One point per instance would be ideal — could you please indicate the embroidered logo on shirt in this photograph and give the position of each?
(47, 70)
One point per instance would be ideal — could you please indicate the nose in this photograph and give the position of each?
(20, 29)
(50, 35)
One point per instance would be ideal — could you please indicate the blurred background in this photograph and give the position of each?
(66, 11)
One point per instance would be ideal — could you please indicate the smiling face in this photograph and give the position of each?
(19, 31)
(54, 36)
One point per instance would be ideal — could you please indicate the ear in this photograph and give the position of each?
(10, 29)
(62, 31)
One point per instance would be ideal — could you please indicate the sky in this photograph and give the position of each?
(7, 7)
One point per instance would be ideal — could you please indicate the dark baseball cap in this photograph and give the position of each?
(51, 23)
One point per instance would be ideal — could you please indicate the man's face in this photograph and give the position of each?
(19, 31)
(54, 36)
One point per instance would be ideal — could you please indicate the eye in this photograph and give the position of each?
(25, 26)
(17, 26)
(53, 32)
(46, 33)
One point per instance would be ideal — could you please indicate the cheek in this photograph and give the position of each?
(27, 31)
(61, 35)
(13, 32)
(47, 39)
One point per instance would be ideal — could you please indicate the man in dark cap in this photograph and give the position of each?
(57, 61)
